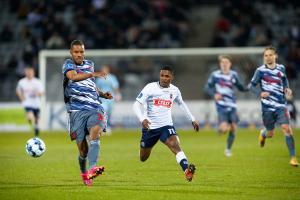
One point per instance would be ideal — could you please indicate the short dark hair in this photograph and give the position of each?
(76, 42)
(270, 48)
(223, 56)
(167, 68)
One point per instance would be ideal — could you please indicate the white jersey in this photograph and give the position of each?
(30, 89)
(158, 102)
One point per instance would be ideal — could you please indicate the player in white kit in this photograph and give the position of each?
(153, 108)
(29, 91)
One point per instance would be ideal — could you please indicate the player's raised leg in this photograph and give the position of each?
(173, 144)
(289, 139)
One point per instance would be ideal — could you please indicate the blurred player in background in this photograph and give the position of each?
(86, 115)
(157, 124)
(29, 91)
(110, 84)
(274, 88)
(220, 86)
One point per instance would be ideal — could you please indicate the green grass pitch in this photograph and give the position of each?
(251, 173)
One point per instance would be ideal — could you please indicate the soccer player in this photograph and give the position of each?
(29, 91)
(110, 84)
(157, 98)
(86, 115)
(274, 86)
(220, 86)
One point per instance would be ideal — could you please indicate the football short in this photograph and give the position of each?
(150, 137)
(228, 116)
(279, 116)
(35, 111)
(80, 123)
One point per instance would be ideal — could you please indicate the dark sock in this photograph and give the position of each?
(82, 164)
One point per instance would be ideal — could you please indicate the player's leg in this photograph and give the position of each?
(223, 123)
(30, 117)
(148, 140)
(95, 124)
(77, 132)
(233, 119)
(230, 139)
(269, 120)
(36, 114)
(170, 139)
(283, 120)
(145, 153)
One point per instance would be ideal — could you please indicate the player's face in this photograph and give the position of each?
(77, 53)
(225, 65)
(165, 78)
(270, 57)
(29, 73)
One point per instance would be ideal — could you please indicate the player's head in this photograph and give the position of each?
(225, 63)
(270, 55)
(29, 72)
(77, 51)
(105, 68)
(166, 76)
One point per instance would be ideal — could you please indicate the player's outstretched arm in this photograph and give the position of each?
(74, 76)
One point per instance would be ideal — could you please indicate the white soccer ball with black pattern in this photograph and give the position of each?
(35, 147)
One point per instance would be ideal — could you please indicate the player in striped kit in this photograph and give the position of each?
(220, 86)
(274, 87)
(158, 98)
(86, 115)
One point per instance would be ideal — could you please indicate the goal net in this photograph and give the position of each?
(135, 68)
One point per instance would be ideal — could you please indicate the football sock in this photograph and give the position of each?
(82, 164)
(230, 139)
(93, 152)
(289, 139)
(182, 160)
(36, 131)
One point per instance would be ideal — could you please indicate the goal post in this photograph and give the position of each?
(191, 61)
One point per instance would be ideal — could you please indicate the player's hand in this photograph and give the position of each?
(195, 125)
(264, 94)
(100, 74)
(288, 93)
(107, 95)
(146, 123)
(218, 96)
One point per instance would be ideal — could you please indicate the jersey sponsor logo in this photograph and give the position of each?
(162, 102)
(224, 83)
(270, 80)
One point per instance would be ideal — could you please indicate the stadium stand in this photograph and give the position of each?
(116, 24)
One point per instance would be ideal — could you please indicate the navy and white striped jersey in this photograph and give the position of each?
(273, 81)
(80, 95)
(224, 84)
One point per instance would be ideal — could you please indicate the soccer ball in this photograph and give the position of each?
(35, 147)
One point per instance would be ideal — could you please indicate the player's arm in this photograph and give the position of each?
(253, 85)
(210, 88)
(186, 110)
(239, 85)
(286, 88)
(19, 94)
(105, 95)
(74, 76)
(137, 108)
